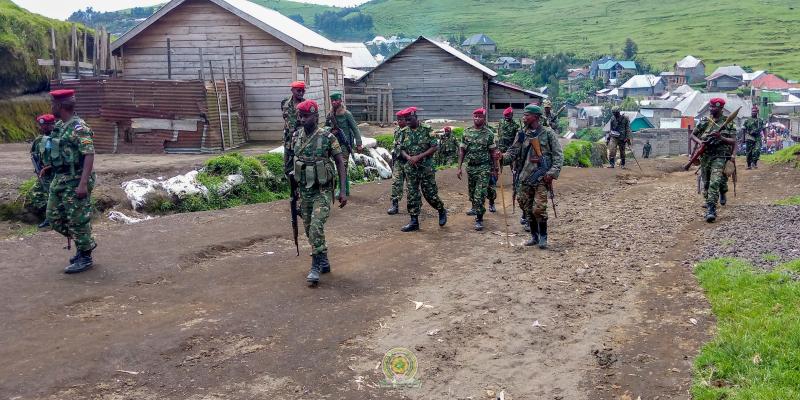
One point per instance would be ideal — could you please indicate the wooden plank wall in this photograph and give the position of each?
(317, 65)
(500, 97)
(199, 24)
(439, 84)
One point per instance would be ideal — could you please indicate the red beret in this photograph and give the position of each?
(717, 102)
(298, 85)
(407, 112)
(508, 111)
(62, 94)
(46, 119)
(481, 111)
(308, 106)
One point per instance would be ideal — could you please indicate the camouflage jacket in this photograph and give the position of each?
(714, 147)
(521, 151)
(506, 133)
(621, 125)
(309, 150)
(345, 122)
(477, 143)
(289, 110)
(418, 141)
(753, 129)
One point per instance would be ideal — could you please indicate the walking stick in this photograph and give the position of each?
(634, 157)
(503, 200)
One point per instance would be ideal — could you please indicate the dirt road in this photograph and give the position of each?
(214, 306)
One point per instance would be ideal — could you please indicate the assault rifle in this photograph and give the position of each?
(293, 209)
(702, 148)
(544, 165)
(338, 132)
(37, 166)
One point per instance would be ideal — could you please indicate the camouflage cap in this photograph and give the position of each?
(547, 103)
(533, 109)
(615, 109)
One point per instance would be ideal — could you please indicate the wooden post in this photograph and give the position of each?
(391, 104)
(202, 65)
(74, 53)
(169, 60)
(219, 106)
(108, 48)
(54, 52)
(85, 37)
(228, 104)
(230, 70)
(243, 112)
(94, 53)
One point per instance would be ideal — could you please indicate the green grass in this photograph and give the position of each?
(17, 118)
(789, 155)
(770, 257)
(578, 153)
(789, 201)
(756, 352)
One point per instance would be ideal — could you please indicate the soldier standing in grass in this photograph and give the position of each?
(40, 153)
(618, 136)
(350, 136)
(417, 147)
(477, 147)
(753, 130)
(69, 206)
(313, 148)
(290, 123)
(720, 141)
(539, 154)
(398, 166)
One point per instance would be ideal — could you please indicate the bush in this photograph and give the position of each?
(578, 153)
(590, 134)
(224, 165)
(386, 140)
(357, 174)
(789, 155)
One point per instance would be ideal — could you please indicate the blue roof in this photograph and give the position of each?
(625, 64)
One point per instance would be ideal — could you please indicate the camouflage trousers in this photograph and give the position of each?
(714, 179)
(41, 193)
(478, 183)
(615, 144)
(69, 215)
(422, 182)
(753, 151)
(399, 180)
(315, 208)
(533, 202)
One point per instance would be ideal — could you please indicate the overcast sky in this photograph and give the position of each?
(61, 9)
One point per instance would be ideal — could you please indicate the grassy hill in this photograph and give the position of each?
(762, 34)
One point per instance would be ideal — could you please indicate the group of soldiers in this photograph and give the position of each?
(63, 157)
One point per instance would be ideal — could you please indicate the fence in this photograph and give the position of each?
(371, 103)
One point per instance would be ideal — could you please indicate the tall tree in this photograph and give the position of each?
(630, 50)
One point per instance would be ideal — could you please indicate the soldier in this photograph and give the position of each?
(40, 154)
(720, 141)
(753, 130)
(448, 148)
(290, 122)
(647, 149)
(341, 119)
(398, 166)
(417, 147)
(69, 206)
(549, 120)
(312, 149)
(507, 131)
(618, 136)
(535, 149)
(477, 147)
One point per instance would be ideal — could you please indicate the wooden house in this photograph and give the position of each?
(503, 95)
(191, 39)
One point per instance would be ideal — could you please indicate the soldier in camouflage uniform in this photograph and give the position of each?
(647, 149)
(40, 153)
(312, 149)
(69, 206)
(290, 122)
(507, 131)
(720, 142)
(533, 195)
(398, 167)
(618, 137)
(477, 147)
(417, 147)
(448, 148)
(340, 118)
(753, 130)
(548, 119)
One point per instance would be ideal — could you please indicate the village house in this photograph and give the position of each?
(575, 76)
(360, 57)
(692, 68)
(749, 77)
(509, 63)
(642, 86)
(769, 82)
(613, 69)
(673, 80)
(262, 47)
(527, 63)
(503, 95)
(637, 120)
(661, 113)
(586, 116)
(480, 43)
(725, 78)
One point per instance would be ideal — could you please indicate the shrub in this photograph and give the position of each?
(226, 164)
(578, 153)
(357, 174)
(590, 134)
(789, 155)
(386, 140)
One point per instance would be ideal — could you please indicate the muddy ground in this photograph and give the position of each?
(213, 305)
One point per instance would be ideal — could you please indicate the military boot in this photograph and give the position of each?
(523, 220)
(78, 253)
(723, 199)
(471, 212)
(313, 273)
(533, 228)
(82, 263)
(442, 217)
(479, 222)
(324, 264)
(44, 224)
(711, 213)
(491, 206)
(622, 163)
(611, 162)
(543, 234)
(394, 209)
(412, 225)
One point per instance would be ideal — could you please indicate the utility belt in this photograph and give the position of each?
(310, 171)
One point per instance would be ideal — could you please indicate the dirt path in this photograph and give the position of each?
(213, 305)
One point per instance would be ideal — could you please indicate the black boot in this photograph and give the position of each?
(313, 274)
(622, 163)
(711, 213)
(44, 224)
(412, 225)
(394, 209)
(523, 220)
(442, 217)
(479, 222)
(722, 198)
(611, 162)
(755, 164)
(543, 234)
(82, 262)
(471, 212)
(491, 206)
(533, 228)
(324, 264)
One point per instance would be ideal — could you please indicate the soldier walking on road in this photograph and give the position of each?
(753, 130)
(477, 148)
(69, 205)
(349, 136)
(720, 141)
(313, 148)
(398, 166)
(40, 154)
(448, 148)
(417, 147)
(290, 122)
(507, 131)
(538, 152)
(618, 137)
(647, 149)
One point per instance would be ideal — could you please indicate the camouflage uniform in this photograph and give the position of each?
(398, 167)
(477, 145)
(316, 178)
(448, 150)
(713, 160)
(289, 110)
(421, 177)
(69, 215)
(623, 126)
(41, 189)
(752, 130)
(646, 150)
(506, 133)
(350, 133)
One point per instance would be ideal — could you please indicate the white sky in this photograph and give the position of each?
(61, 9)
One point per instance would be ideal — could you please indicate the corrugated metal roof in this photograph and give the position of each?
(770, 81)
(512, 86)
(694, 103)
(360, 56)
(268, 20)
(641, 81)
(478, 39)
(353, 74)
(688, 62)
(731, 70)
(625, 64)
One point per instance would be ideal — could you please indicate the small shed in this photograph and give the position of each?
(191, 39)
(637, 120)
(503, 95)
